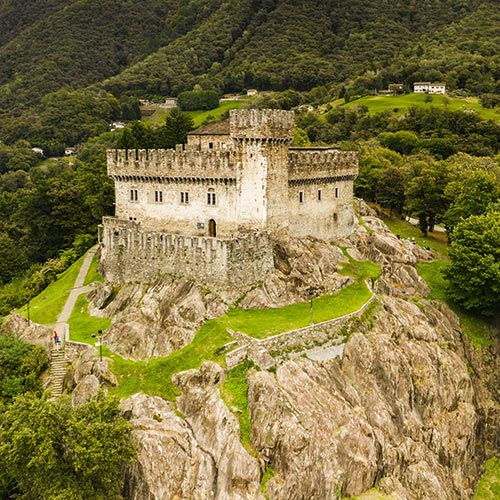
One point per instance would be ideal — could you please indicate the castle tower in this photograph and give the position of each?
(260, 140)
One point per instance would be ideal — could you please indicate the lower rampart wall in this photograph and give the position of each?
(294, 340)
(130, 254)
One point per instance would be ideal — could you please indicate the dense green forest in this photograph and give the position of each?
(100, 54)
(51, 449)
(69, 69)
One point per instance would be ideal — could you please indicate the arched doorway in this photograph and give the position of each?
(212, 228)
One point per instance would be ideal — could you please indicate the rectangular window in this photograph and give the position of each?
(158, 197)
(210, 145)
(319, 194)
(211, 198)
(133, 195)
(223, 145)
(184, 197)
(336, 192)
(301, 196)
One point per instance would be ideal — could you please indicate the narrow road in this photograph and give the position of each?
(61, 326)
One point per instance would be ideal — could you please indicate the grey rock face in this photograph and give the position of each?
(199, 457)
(400, 404)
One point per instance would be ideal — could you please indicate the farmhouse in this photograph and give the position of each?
(429, 88)
(216, 201)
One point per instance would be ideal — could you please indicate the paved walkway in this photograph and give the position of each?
(61, 326)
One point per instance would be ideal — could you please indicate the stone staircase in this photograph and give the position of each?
(57, 371)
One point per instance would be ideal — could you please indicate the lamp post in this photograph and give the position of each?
(313, 292)
(99, 337)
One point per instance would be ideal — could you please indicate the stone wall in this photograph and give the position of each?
(181, 162)
(172, 213)
(293, 340)
(261, 124)
(320, 191)
(130, 254)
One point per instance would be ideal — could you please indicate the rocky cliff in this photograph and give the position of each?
(411, 407)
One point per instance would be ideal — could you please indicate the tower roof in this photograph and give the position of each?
(219, 128)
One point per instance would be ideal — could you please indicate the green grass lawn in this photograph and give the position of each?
(46, 307)
(159, 116)
(82, 326)
(399, 104)
(489, 484)
(92, 274)
(234, 393)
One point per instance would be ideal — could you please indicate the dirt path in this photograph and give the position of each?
(61, 326)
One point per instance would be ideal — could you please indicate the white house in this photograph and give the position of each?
(429, 88)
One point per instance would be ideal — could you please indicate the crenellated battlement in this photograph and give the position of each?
(131, 253)
(161, 163)
(309, 163)
(261, 124)
(217, 197)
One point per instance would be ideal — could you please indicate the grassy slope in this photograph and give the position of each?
(489, 485)
(46, 307)
(160, 114)
(399, 104)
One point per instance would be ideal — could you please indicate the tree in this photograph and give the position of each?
(475, 192)
(52, 451)
(175, 130)
(425, 192)
(21, 366)
(474, 269)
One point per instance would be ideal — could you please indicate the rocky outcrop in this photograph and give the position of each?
(28, 331)
(210, 462)
(155, 320)
(217, 430)
(299, 266)
(400, 404)
(378, 244)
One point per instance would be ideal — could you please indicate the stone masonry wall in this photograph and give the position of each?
(293, 340)
(129, 254)
(170, 163)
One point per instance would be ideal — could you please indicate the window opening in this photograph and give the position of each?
(301, 196)
(133, 195)
(210, 198)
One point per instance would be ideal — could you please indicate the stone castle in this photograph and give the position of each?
(208, 209)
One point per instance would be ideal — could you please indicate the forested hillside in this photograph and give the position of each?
(158, 48)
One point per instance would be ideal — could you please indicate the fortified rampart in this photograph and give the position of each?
(129, 254)
(269, 124)
(306, 164)
(169, 163)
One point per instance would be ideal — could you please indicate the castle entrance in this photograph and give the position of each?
(212, 228)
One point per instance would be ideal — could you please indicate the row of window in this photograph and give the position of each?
(184, 197)
(211, 198)
(319, 195)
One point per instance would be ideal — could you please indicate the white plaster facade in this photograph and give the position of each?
(429, 88)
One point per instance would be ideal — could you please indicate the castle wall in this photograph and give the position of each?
(320, 192)
(169, 211)
(328, 218)
(184, 162)
(261, 140)
(131, 254)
